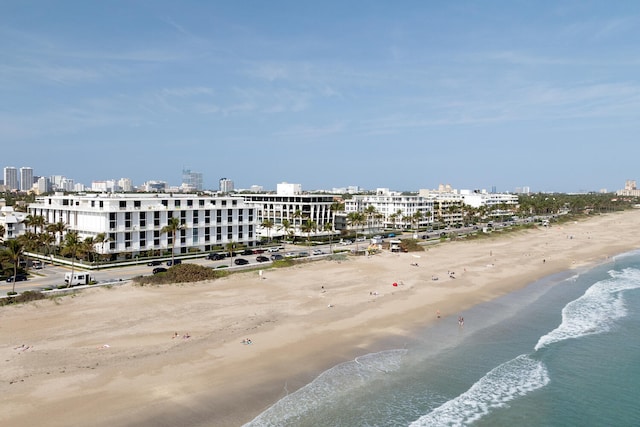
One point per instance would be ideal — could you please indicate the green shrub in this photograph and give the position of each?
(181, 273)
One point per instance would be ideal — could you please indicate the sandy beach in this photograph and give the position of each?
(174, 355)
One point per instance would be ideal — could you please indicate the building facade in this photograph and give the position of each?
(11, 178)
(393, 209)
(26, 179)
(226, 185)
(289, 209)
(132, 222)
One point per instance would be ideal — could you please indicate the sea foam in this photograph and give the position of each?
(502, 384)
(596, 310)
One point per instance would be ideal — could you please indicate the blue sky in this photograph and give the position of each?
(404, 95)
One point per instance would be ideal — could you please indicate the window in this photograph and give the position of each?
(177, 203)
(123, 204)
(112, 220)
(136, 204)
(143, 219)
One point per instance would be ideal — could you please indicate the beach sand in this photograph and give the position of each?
(110, 357)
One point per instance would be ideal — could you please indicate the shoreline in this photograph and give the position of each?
(302, 321)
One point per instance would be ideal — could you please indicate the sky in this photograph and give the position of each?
(400, 95)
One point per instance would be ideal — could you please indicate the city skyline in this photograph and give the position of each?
(493, 95)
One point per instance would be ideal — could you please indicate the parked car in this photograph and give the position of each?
(276, 257)
(274, 249)
(152, 263)
(346, 242)
(159, 270)
(290, 255)
(258, 251)
(174, 262)
(247, 252)
(301, 254)
(216, 257)
(37, 265)
(317, 252)
(241, 261)
(262, 258)
(17, 278)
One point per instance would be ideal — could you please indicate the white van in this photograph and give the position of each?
(78, 279)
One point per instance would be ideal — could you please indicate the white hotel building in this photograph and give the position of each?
(388, 203)
(132, 222)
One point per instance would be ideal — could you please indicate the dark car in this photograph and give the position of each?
(17, 278)
(241, 261)
(276, 257)
(159, 270)
(216, 257)
(152, 263)
(247, 252)
(174, 262)
(262, 258)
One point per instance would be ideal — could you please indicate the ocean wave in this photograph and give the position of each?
(502, 384)
(330, 386)
(596, 310)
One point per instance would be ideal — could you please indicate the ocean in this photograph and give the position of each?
(563, 351)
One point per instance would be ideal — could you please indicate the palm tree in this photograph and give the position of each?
(307, 227)
(72, 245)
(47, 239)
(416, 219)
(286, 226)
(370, 212)
(101, 239)
(59, 228)
(231, 247)
(268, 225)
(35, 221)
(88, 248)
(172, 227)
(356, 219)
(297, 215)
(2, 231)
(14, 252)
(328, 227)
(393, 218)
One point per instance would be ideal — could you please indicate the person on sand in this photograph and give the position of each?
(185, 336)
(175, 335)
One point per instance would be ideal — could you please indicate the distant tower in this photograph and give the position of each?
(26, 179)
(11, 178)
(226, 185)
(192, 179)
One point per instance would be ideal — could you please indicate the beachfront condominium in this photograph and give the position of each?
(11, 178)
(132, 223)
(26, 179)
(392, 209)
(289, 212)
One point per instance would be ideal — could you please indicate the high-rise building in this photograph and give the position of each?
(44, 185)
(125, 185)
(11, 178)
(26, 179)
(226, 185)
(192, 180)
